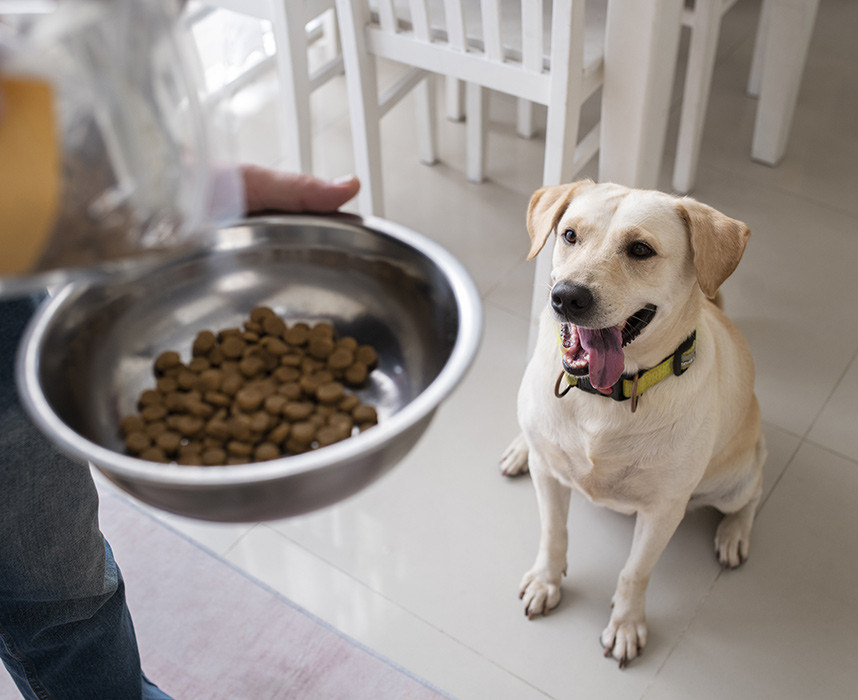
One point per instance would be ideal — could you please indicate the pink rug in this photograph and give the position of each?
(208, 632)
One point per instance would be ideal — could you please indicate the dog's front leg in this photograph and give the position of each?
(625, 636)
(540, 587)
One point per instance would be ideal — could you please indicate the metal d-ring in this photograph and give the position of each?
(557, 391)
(634, 395)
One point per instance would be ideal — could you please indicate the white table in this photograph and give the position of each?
(641, 46)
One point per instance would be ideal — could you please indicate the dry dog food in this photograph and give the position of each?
(252, 394)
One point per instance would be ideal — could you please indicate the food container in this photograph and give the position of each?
(88, 353)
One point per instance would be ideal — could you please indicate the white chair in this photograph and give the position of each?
(780, 54)
(556, 76)
(295, 25)
(704, 20)
(775, 79)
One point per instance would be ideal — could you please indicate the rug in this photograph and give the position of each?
(207, 631)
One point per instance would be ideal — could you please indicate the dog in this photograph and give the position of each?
(639, 393)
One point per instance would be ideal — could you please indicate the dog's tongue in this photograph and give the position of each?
(605, 347)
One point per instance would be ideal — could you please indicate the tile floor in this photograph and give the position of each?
(423, 567)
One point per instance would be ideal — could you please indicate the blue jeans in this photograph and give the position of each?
(65, 629)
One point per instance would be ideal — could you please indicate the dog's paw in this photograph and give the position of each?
(624, 640)
(732, 541)
(539, 593)
(514, 460)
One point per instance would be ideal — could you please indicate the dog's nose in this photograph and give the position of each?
(570, 300)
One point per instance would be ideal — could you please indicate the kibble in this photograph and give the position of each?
(341, 359)
(266, 451)
(137, 442)
(153, 412)
(297, 410)
(154, 454)
(167, 360)
(365, 414)
(356, 374)
(214, 456)
(203, 343)
(248, 399)
(132, 424)
(149, 397)
(252, 393)
(232, 346)
(297, 335)
(199, 365)
(367, 355)
(273, 325)
(330, 392)
(303, 432)
(167, 385)
(258, 314)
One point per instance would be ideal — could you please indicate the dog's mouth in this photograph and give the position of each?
(598, 352)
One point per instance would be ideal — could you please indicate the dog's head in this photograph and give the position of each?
(627, 264)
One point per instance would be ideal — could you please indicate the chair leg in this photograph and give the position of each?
(293, 72)
(788, 34)
(425, 105)
(561, 135)
(454, 99)
(541, 285)
(705, 30)
(364, 113)
(476, 122)
(756, 73)
(525, 118)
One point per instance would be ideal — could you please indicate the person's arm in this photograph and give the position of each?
(294, 192)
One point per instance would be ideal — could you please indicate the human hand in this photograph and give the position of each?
(294, 192)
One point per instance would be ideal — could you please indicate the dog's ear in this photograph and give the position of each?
(546, 207)
(717, 242)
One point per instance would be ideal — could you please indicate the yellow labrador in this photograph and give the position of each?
(640, 390)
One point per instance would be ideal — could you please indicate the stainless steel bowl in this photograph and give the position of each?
(88, 353)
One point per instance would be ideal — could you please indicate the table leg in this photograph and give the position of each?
(641, 46)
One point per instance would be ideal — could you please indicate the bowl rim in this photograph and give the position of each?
(123, 466)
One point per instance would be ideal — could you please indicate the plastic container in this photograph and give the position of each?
(107, 161)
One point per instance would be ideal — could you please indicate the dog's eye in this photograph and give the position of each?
(570, 236)
(640, 250)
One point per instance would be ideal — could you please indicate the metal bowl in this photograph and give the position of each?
(89, 350)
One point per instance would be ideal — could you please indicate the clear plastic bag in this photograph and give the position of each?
(136, 172)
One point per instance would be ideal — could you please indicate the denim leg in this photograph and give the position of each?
(65, 629)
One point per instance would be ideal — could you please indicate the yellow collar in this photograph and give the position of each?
(632, 386)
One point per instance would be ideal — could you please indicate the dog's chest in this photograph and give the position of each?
(610, 461)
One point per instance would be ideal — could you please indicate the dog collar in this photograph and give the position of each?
(632, 386)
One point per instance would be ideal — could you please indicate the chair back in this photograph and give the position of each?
(498, 44)
(533, 50)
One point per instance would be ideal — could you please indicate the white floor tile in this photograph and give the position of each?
(374, 620)
(218, 538)
(782, 626)
(791, 296)
(837, 426)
